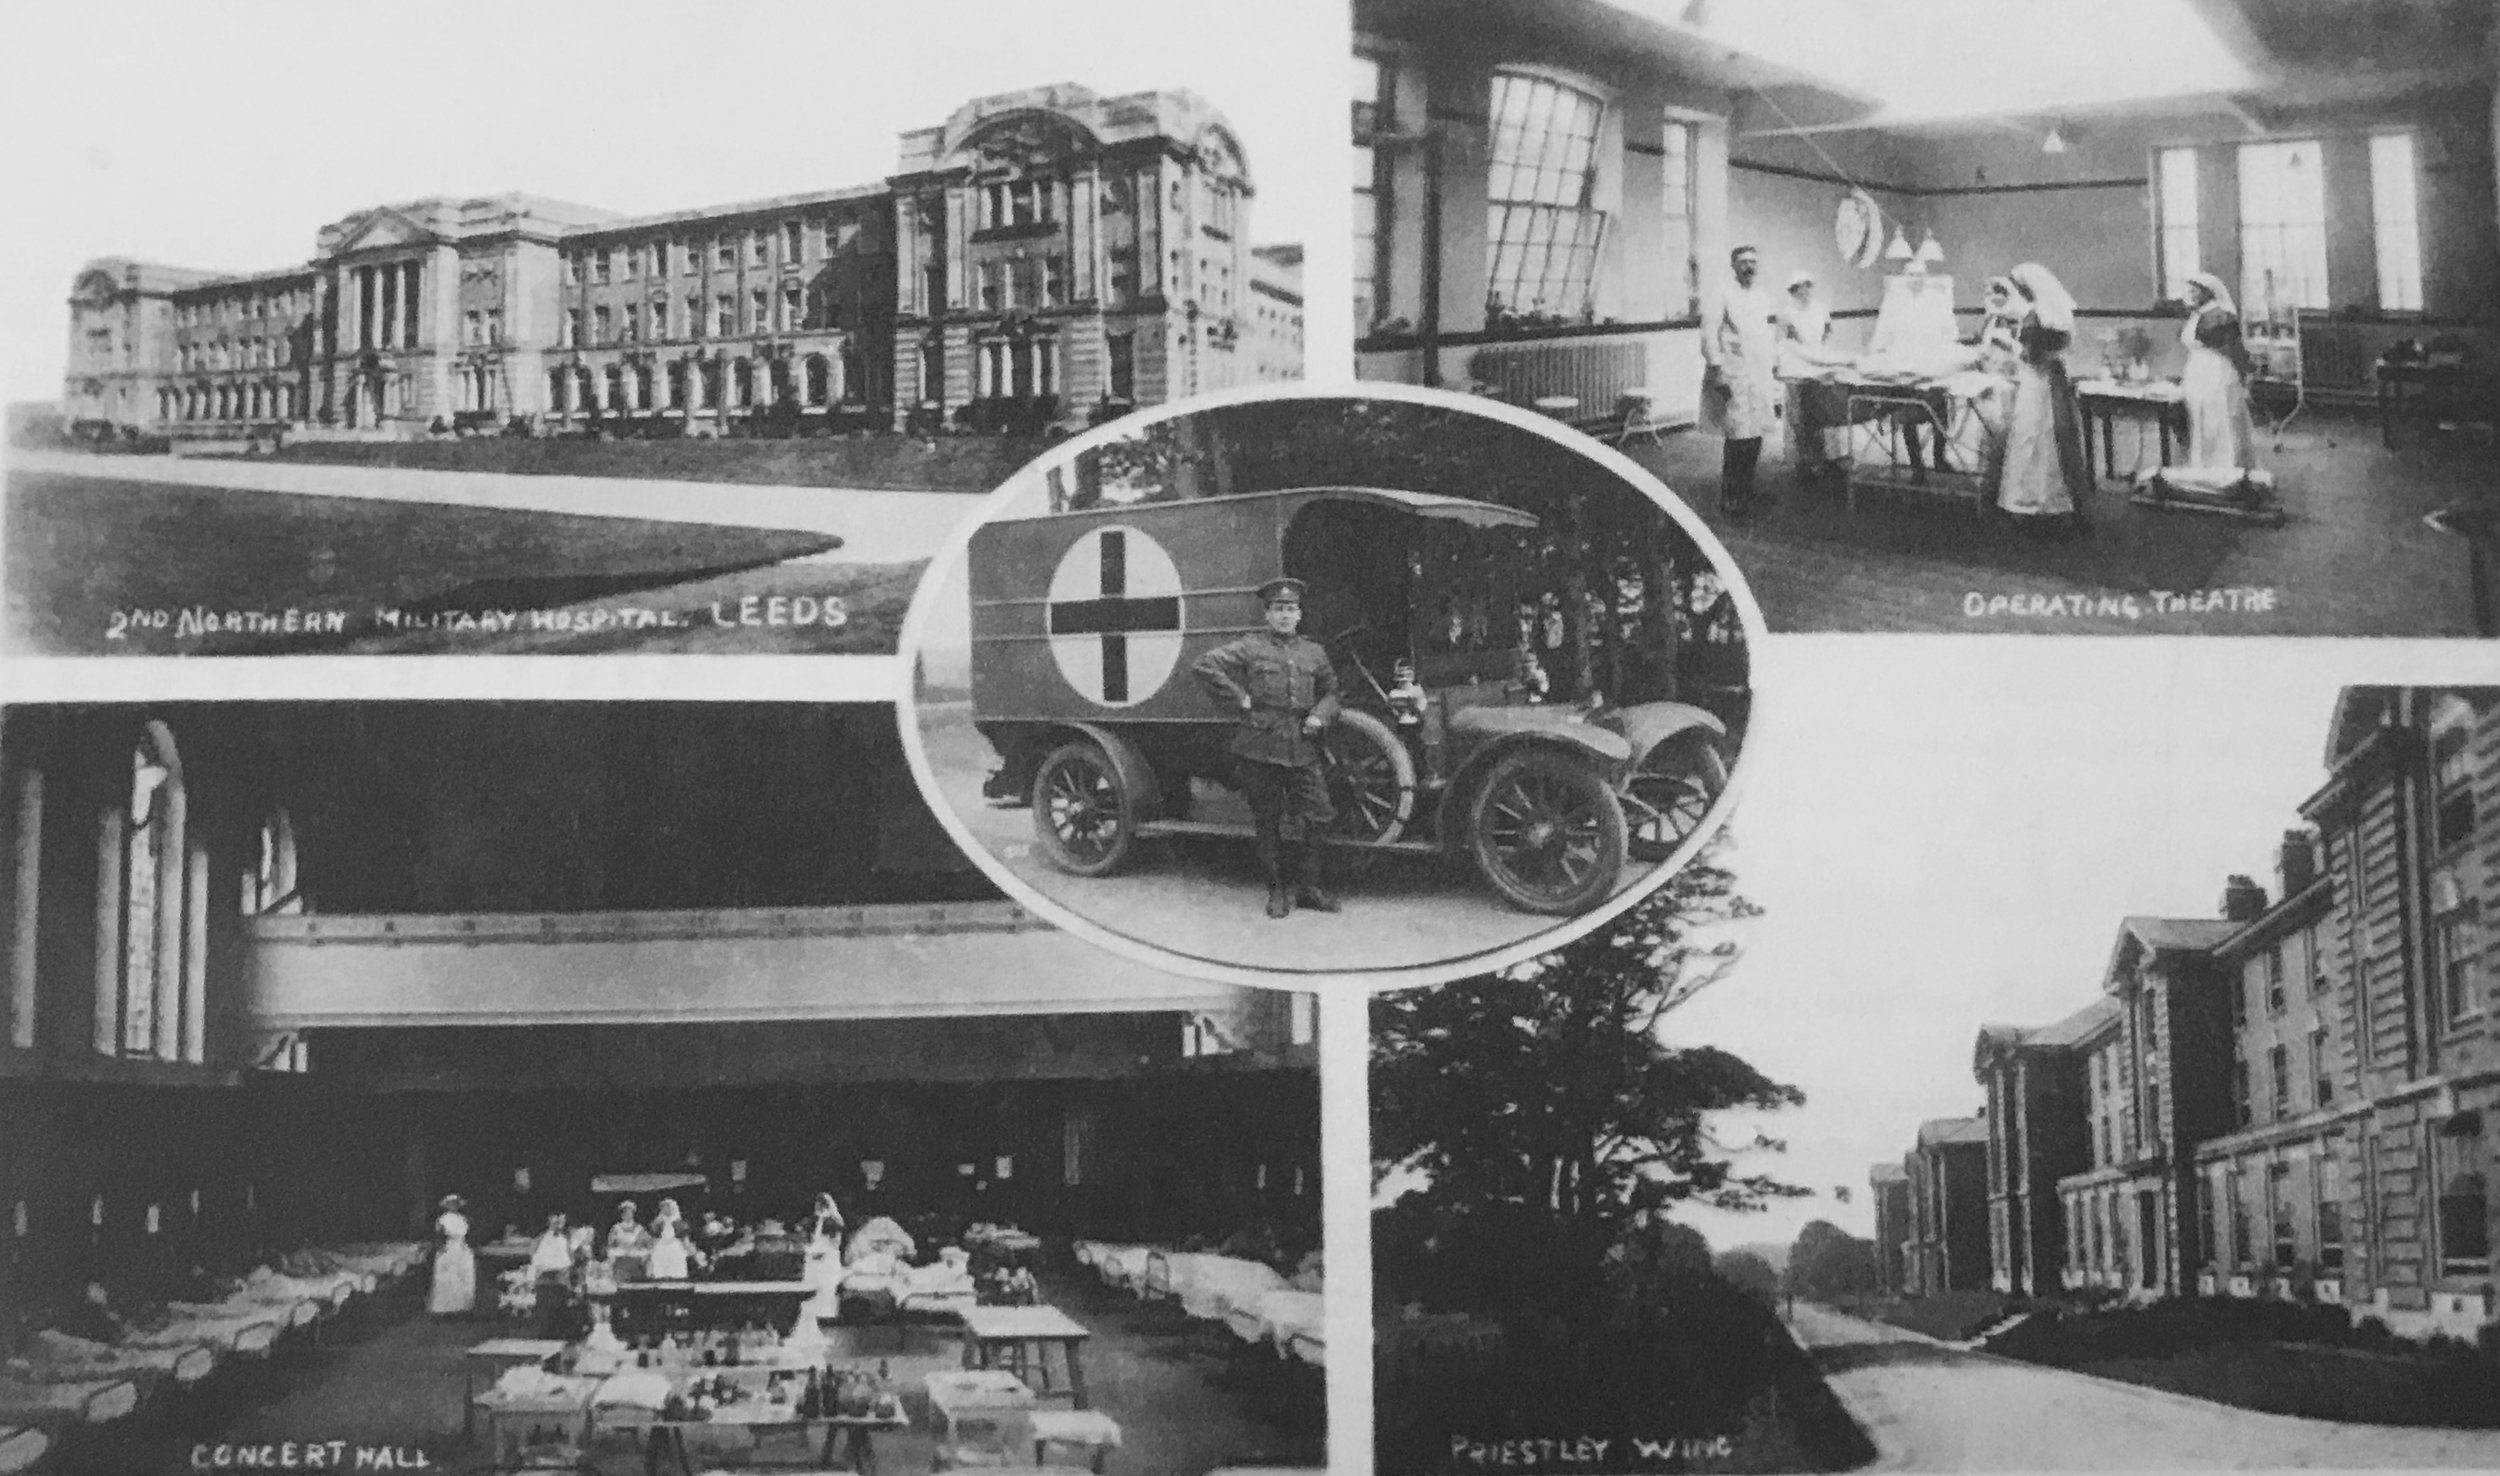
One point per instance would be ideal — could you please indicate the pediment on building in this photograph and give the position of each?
(1220, 155)
(95, 285)
(1028, 140)
(379, 230)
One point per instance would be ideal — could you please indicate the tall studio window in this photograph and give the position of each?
(2452, 771)
(1679, 253)
(2181, 248)
(2397, 216)
(2457, 946)
(1371, 105)
(2464, 1196)
(2279, 1211)
(2330, 1180)
(270, 887)
(2282, 225)
(1542, 221)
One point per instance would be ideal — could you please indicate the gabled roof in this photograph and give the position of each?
(2065, 1034)
(1944, 1131)
(1887, 1173)
(2159, 935)
(2078, 1027)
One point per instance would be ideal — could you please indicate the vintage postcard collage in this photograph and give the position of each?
(1171, 737)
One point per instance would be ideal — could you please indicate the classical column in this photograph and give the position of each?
(195, 956)
(108, 931)
(27, 875)
(409, 299)
(165, 1023)
(386, 304)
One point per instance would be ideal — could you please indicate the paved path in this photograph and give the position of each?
(875, 527)
(1928, 1407)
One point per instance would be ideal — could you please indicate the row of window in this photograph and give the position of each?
(659, 320)
(2294, 1087)
(267, 401)
(800, 241)
(817, 380)
(251, 353)
(2284, 186)
(285, 306)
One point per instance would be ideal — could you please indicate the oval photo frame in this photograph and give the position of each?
(1085, 703)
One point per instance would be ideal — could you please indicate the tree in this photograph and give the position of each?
(1829, 1262)
(1550, 1088)
(1750, 1274)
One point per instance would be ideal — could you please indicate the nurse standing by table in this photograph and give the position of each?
(2221, 435)
(2043, 477)
(1818, 408)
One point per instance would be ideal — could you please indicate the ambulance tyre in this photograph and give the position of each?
(1083, 816)
(1371, 779)
(1676, 784)
(1546, 832)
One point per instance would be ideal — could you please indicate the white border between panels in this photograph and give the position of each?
(624, 677)
(950, 557)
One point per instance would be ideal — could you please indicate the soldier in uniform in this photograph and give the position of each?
(1285, 690)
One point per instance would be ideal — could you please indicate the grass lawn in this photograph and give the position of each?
(884, 462)
(1950, 1317)
(2354, 1384)
(2271, 1357)
(87, 558)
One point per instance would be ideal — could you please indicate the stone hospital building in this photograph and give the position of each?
(2298, 1098)
(1041, 255)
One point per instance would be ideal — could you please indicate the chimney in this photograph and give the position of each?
(2242, 899)
(2296, 866)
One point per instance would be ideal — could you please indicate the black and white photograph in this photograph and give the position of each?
(2120, 1106)
(2036, 316)
(611, 1087)
(1332, 684)
(662, 333)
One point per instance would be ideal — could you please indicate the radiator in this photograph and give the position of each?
(1596, 374)
(2338, 356)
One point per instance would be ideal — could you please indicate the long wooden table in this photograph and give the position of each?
(1018, 1340)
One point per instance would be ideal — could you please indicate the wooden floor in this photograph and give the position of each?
(2354, 556)
(1186, 1399)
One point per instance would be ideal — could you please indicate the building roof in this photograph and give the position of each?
(1887, 1173)
(2078, 1027)
(2180, 934)
(1944, 1131)
(144, 276)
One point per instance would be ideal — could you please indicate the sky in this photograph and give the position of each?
(1946, 834)
(224, 136)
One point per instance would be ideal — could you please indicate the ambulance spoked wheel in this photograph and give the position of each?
(1675, 786)
(1546, 832)
(1083, 816)
(1371, 779)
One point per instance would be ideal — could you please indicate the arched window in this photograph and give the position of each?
(642, 386)
(1542, 220)
(270, 884)
(677, 385)
(819, 379)
(150, 942)
(614, 396)
(742, 383)
(559, 391)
